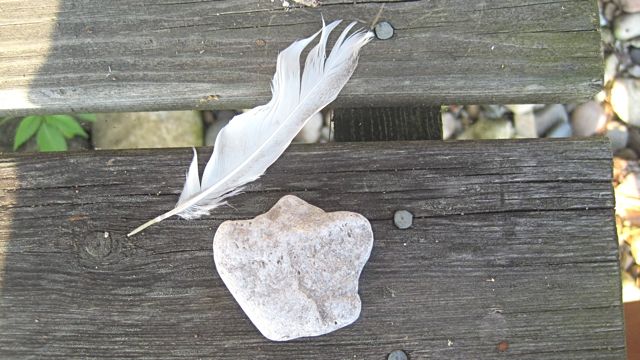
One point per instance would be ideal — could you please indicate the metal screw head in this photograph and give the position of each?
(383, 30)
(403, 219)
(397, 355)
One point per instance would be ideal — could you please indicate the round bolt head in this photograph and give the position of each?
(397, 355)
(383, 30)
(403, 219)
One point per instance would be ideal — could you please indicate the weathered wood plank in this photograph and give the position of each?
(387, 123)
(512, 242)
(96, 55)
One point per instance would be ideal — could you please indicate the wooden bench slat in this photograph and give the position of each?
(95, 55)
(513, 242)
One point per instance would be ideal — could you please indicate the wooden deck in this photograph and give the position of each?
(59, 56)
(512, 253)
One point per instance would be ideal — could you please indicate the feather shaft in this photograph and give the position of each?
(254, 140)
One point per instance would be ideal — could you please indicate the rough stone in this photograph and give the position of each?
(294, 270)
(147, 130)
(625, 100)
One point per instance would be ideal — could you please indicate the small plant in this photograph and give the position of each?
(51, 131)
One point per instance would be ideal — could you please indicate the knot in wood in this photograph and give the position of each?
(99, 248)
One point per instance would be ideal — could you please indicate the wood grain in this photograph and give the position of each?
(61, 56)
(512, 242)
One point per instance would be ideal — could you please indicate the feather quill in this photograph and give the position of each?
(254, 140)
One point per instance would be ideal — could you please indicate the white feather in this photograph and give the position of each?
(254, 140)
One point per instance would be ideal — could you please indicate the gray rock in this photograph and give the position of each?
(294, 270)
(627, 26)
(625, 100)
(588, 119)
(147, 130)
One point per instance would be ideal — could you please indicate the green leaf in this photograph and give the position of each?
(67, 125)
(28, 126)
(86, 117)
(49, 138)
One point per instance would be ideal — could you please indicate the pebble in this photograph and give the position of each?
(449, 125)
(627, 26)
(549, 117)
(634, 71)
(561, 130)
(609, 11)
(587, 119)
(294, 270)
(611, 64)
(627, 154)
(530, 124)
(625, 100)
(523, 108)
(618, 135)
(630, 6)
(525, 122)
